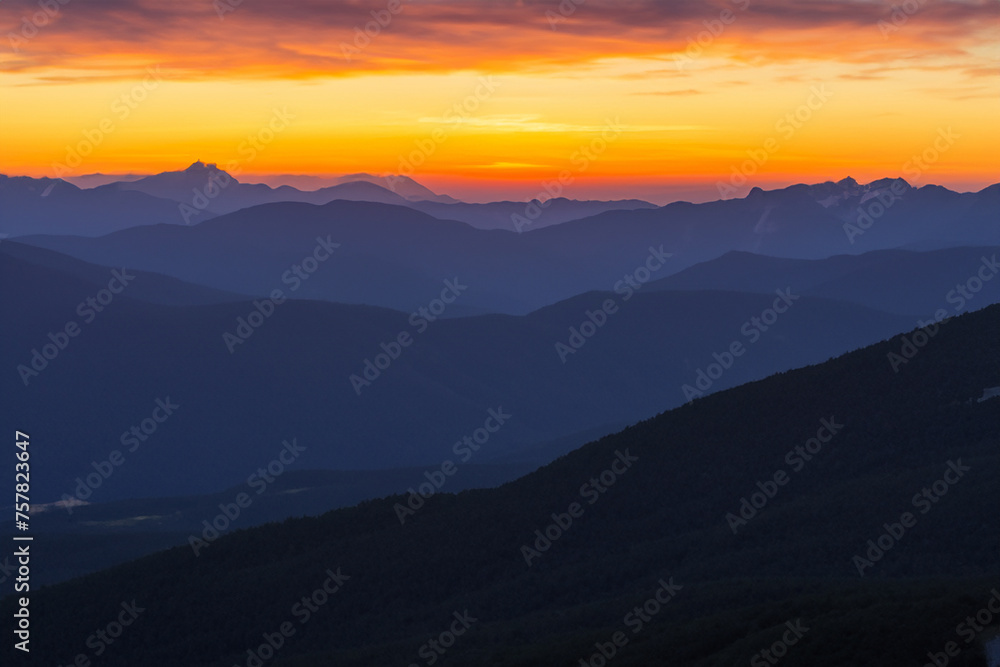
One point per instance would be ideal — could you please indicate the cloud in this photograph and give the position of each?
(530, 123)
(862, 77)
(306, 39)
(688, 91)
(509, 165)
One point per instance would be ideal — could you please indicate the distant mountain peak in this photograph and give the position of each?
(404, 186)
(847, 182)
(199, 166)
(888, 183)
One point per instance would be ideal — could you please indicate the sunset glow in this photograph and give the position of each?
(490, 99)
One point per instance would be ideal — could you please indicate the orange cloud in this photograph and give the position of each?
(310, 38)
(697, 84)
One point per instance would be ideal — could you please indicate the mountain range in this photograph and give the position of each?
(209, 367)
(318, 361)
(849, 216)
(644, 562)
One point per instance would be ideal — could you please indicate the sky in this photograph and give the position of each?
(495, 99)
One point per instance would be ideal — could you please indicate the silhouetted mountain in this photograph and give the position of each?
(86, 538)
(791, 223)
(525, 216)
(388, 256)
(804, 221)
(149, 287)
(184, 185)
(395, 257)
(206, 189)
(896, 281)
(288, 374)
(890, 213)
(404, 186)
(53, 206)
(642, 561)
(94, 180)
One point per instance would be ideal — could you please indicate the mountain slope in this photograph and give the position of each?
(148, 287)
(659, 527)
(87, 538)
(519, 217)
(898, 281)
(53, 206)
(316, 363)
(206, 188)
(404, 186)
(792, 222)
(395, 257)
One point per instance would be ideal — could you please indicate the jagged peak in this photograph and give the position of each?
(198, 165)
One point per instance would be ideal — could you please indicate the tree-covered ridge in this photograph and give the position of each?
(663, 520)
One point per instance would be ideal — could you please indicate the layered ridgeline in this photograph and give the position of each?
(395, 257)
(832, 515)
(73, 540)
(203, 191)
(196, 398)
(800, 220)
(679, 351)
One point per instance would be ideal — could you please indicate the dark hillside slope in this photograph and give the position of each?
(291, 378)
(890, 436)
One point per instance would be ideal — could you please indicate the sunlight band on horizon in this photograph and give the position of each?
(496, 97)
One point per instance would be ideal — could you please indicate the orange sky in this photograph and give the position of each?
(493, 98)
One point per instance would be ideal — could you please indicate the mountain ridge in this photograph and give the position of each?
(892, 433)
